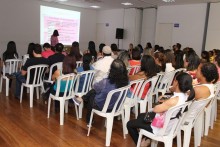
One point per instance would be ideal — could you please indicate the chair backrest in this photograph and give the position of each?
(119, 104)
(88, 77)
(172, 126)
(160, 76)
(167, 80)
(24, 58)
(58, 65)
(135, 88)
(37, 73)
(194, 110)
(149, 96)
(12, 65)
(134, 69)
(70, 80)
(79, 64)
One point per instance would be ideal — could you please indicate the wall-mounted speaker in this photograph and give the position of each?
(119, 33)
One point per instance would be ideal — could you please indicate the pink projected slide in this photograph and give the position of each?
(68, 29)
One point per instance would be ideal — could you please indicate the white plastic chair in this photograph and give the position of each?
(155, 90)
(148, 99)
(214, 107)
(79, 64)
(134, 69)
(24, 58)
(67, 94)
(14, 65)
(86, 86)
(38, 76)
(58, 65)
(132, 101)
(165, 136)
(193, 118)
(116, 111)
(166, 82)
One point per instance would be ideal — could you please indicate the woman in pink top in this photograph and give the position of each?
(54, 38)
(217, 63)
(135, 61)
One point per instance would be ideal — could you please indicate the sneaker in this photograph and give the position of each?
(76, 101)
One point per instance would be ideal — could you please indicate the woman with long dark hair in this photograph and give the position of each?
(91, 48)
(181, 85)
(75, 51)
(117, 78)
(11, 51)
(54, 38)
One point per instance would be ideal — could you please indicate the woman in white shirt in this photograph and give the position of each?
(181, 85)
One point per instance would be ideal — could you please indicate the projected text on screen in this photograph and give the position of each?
(65, 21)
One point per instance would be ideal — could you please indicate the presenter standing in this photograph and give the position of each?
(54, 38)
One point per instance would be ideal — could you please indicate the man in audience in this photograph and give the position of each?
(58, 56)
(47, 50)
(102, 66)
(36, 60)
(114, 51)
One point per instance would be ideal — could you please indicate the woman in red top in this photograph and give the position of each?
(148, 70)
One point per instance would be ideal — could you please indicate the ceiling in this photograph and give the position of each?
(115, 4)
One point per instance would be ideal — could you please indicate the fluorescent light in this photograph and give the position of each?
(95, 7)
(127, 4)
(169, 1)
(62, 0)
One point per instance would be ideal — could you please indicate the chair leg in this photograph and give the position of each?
(207, 120)
(90, 123)
(143, 107)
(187, 136)
(127, 110)
(7, 86)
(139, 139)
(1, 80)
(124, 125)
(37, 91)
(154, 143)
(48, 111)
(198, 126)
(168, 143)
(77, 113)
(61, 112)
(22, 87)
(136, 110)
(109, 130)
(80, 109)
(179, 139)
(31, 96)
(66, 106)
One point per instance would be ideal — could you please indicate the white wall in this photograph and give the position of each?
(191, 19)
(148, 26)
(107, 33)
(128, 19)
(20, 22)
(132, 26)
(213, 32)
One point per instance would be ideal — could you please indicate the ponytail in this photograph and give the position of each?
(191, 94)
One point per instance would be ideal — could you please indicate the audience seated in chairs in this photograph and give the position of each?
(96, 97)
(181, 85)
(36, 60)
(135, 61)
(87, 58)
(47, 50)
